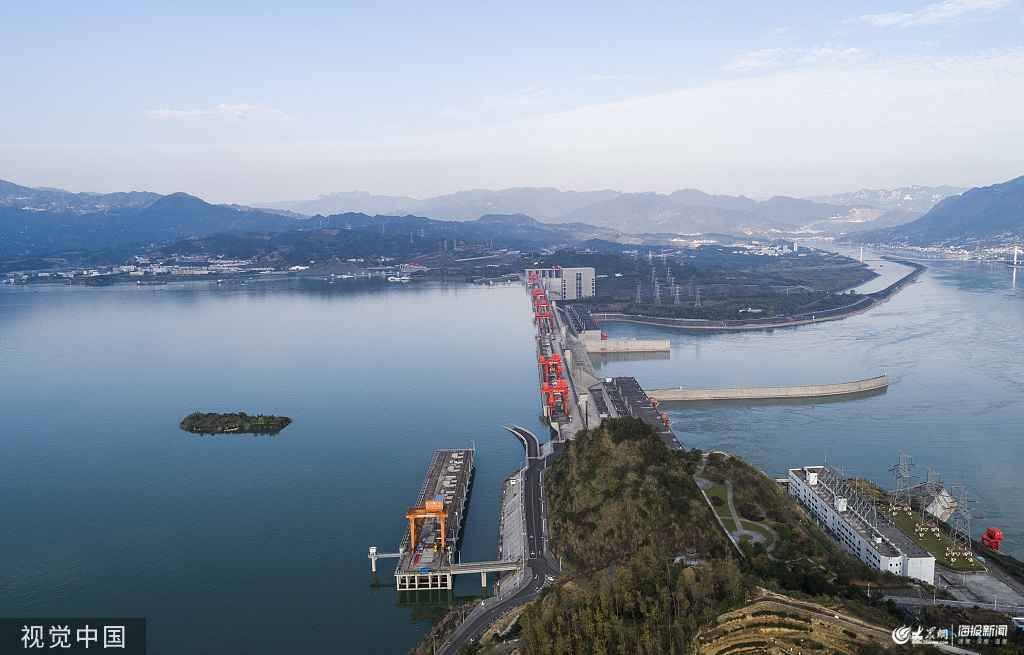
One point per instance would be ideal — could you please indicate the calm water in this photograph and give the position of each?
(258, 544)
(952, 348)
(242, 544)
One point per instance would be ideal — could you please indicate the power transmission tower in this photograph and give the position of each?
(657, 293)
(696, 303)
(960, 539)
(930, 493)
(638, 287)
(676, 288)
(901, 489)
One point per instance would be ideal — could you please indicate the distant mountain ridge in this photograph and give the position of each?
(910, 199)
(687, 211)
(992, 215)
(36, 221)
(48, 199)
(542, 203)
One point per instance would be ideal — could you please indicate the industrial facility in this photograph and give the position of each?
(566, 283)
(856, 524)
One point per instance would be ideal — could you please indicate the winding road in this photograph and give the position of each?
(541, 565)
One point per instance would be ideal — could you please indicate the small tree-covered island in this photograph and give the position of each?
(239, 423)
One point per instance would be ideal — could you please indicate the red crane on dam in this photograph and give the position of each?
(556, 396)
(544, 320)
(549, 364)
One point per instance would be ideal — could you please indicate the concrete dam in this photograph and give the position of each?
(759, 393)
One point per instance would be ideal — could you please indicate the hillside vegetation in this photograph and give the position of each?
(616, 490)
(241, 422)
(623, 508)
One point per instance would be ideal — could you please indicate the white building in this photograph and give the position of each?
(567, 283)
(862, 532)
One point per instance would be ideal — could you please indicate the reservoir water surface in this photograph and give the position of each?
(231, 544)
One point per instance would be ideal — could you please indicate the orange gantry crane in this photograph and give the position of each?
(433, 508)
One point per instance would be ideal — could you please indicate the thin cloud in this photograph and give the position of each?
(759, 61)
(521, 98)
(528, 96)
(223, 113)
(754, 61)
(607, 78)
(950, 11)
(829, 55)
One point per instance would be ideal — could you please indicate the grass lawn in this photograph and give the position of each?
(720, 491)
(935, 546)
(730, 525)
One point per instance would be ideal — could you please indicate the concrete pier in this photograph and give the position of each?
(421, 565)
(758, 393)
(512, 545)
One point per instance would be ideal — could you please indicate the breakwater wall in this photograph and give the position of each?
(757, 393)
(627, 345)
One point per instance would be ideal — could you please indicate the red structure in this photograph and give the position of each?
(556, 396)
(553, 362)
(992, 538)
(545, 320)
(433, 508)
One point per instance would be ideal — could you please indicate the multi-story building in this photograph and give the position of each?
(862, 531)
(567, 283)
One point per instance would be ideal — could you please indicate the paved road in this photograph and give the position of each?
(541, 567)
(740, 529)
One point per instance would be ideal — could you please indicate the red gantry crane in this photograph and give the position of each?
(556, 396)
(552, 363)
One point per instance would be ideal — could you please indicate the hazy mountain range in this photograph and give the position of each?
(40, 221)
(35, 221)
(687, 211)
(911, 199)
(991, 215)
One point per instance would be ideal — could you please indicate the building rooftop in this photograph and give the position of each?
(861, 515)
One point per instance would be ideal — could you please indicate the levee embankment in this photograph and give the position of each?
(757, 393)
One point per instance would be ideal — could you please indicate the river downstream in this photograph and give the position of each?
(951, 347)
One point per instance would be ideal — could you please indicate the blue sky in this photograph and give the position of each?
(273, 101)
